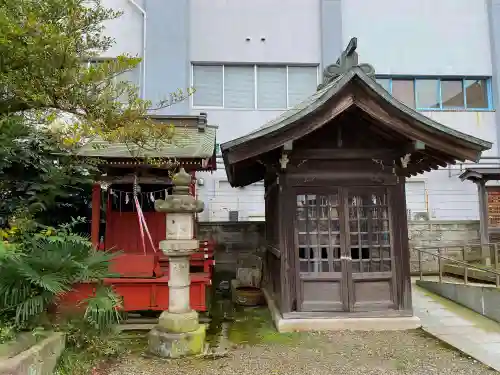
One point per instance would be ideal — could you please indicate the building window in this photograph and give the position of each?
(404, 91)
(276, 87)
(416, 200)
(239, 84)
(209, 86)
(131, 76)
(440, 93)
(271, 87)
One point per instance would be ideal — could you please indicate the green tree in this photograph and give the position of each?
(39, 179)
(43, 47)
(52, 100)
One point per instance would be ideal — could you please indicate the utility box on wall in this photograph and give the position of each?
(233, 215)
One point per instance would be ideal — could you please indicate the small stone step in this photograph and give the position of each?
(136, 327)
(145, 324)
(141, 320)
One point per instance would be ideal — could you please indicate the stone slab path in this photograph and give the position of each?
(471, 333)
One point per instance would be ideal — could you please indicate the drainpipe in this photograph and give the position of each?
(143, 12)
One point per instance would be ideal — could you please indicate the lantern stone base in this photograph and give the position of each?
(178, 323)
(179, 247)
(176, 345)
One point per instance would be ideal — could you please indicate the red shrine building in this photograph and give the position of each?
(124, 218)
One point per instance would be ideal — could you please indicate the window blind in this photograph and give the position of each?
(207, 81)
(239, 87)
(271, 87)
(302, 82)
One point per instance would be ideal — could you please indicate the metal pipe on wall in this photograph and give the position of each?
(144, 28)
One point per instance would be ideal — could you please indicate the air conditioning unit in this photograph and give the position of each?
(233, 215)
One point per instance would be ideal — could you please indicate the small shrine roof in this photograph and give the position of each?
(474, 174)
(192, 139)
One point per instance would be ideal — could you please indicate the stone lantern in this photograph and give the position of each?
(178, 332)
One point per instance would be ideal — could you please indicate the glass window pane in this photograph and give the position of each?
(404, 91)
(452, 93)
(271, 87)
(207, 80)
(427, 91)
(239, 87)
(302, 82)
(384, 82)
(477, 93)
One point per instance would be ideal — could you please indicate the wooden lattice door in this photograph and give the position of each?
(344, 244)
(371, 276)
(319, 238)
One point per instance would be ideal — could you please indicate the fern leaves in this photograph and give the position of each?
(102, 308)
(31, 281)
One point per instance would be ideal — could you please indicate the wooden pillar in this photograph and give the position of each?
(192, 192)
(483, 221)
(192, 185)
(96, 214)
(401, 245)
(286, 210)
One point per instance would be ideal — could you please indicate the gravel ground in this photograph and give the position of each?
(346, 353)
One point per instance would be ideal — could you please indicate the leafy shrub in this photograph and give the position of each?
(88, 348)
(82, 335)
(36, 270)
(7, 332)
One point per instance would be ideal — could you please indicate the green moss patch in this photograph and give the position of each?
(253, 326)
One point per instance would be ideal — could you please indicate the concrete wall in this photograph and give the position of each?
(331, 31)
(233, 241)
(238, 239)
(125, 30)
(493, 8)
(478, 124)
(167, 60)
(483, 300)
(219, 29)
(447, 37)
(40, 359)
(432, 234)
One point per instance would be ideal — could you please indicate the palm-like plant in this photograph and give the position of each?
(32, 280)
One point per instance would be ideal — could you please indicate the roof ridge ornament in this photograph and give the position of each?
(347, 60)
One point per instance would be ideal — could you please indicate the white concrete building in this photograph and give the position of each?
(251, 60)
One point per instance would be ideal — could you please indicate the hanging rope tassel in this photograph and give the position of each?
(142, 220)
(141, 229)
(145, 225)
(137, 206)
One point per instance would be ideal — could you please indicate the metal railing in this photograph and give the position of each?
(467, 266)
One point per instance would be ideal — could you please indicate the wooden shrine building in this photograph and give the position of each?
(334, 170)
(116, 224)
(192, 147)
(489, 212)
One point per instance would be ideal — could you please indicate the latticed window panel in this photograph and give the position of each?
(369, 231)
(494, 209)
(318, 227)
